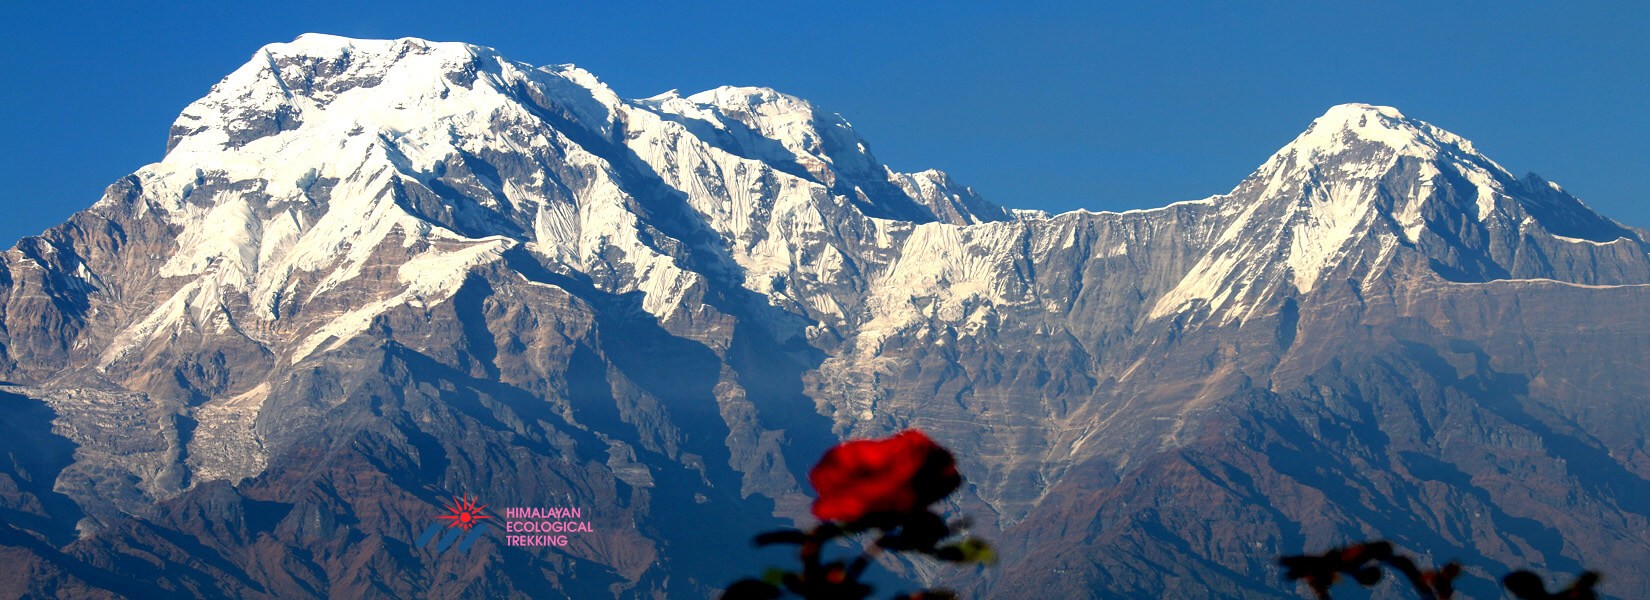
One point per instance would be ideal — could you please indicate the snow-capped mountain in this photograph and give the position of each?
(371, 273)
(1363, 181)
(350, 149)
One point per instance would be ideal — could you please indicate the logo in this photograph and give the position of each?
(466, 520)
(465, 513)
(465, 517)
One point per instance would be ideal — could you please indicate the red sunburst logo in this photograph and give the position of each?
(465, 513)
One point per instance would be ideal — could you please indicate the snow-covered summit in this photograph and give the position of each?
(752, 99)
(1345, 123)
(334, 193)
(324, 157)
(326, 44)
(1359, 183)
(420, 96)
(369, 267)
(810, 136)
(330, 181)
(320, 83)
(1356, 134)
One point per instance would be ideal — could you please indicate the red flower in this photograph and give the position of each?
(894, 476)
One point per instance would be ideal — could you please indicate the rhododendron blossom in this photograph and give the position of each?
(865, 479)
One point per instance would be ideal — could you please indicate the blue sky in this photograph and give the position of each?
(1062, 106)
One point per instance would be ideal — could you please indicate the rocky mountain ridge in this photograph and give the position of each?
(371, 273)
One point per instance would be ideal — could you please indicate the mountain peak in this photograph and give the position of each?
(730, 96)
(325, 44)
(370, 270)
(1351, 110)
(1365, 142)
(1363, 180)
(771, 112)
(1357, 128)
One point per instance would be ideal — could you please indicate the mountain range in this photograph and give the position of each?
(371, 275)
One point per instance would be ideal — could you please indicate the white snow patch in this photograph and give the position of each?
(1318, 238)
(1550, 282)
(431, 277)
(1582, 241)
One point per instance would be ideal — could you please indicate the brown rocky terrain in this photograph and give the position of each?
(371, 275)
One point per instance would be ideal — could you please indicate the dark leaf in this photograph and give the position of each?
(828, 531)
(776, 576)
(916, 531)
(750, 589)
(1296, 567)
(1367, 576)
(929, 595)
(1319, 572)
(1526, 585)
(1365, 552)
(1442, 581)
(858, 566)
(1582, 589)
(782, 536)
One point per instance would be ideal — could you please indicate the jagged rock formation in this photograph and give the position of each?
(371, 274)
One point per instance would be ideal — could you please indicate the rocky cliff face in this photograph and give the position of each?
(369, 275)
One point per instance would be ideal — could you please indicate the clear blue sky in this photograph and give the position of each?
(1068, 105)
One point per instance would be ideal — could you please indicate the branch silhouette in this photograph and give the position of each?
(1362, 563)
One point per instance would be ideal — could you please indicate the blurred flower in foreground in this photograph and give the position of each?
(885, 487)
(882, 480)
